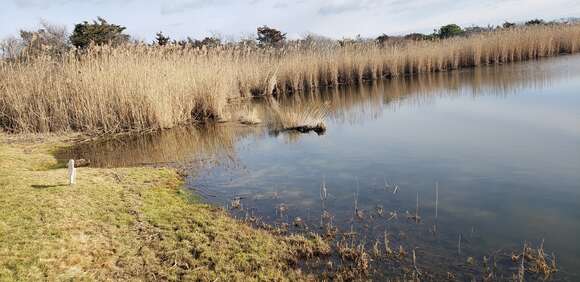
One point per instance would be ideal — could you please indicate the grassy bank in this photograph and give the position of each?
(123, 224)
(141, 87)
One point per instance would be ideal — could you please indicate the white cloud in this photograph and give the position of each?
(333, 18)
(171, 7)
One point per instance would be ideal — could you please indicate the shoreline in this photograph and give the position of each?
(139, 88)
(125, 223)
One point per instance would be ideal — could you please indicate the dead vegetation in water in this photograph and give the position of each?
(247, 116)
(351, 258)
(297, 117)
(138, 87)
(355, 254)
(309, 245)
(534, 261)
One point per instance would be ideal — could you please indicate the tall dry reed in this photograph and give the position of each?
(141, 87)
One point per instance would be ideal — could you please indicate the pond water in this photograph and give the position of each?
(502, 145)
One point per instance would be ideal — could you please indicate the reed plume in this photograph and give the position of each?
(141, 87)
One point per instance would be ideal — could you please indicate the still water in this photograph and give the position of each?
(502, 143)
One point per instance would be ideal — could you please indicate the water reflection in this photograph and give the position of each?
(358, 104)
(210, 143)
(349, 105)
(502, 142)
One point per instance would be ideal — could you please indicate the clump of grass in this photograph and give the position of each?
(535, 261)
(309, 245)
(138, 87)
(297, 116)
(356, 255)
(250, 117)
(125, 224)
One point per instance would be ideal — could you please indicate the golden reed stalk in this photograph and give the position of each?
(138, 87)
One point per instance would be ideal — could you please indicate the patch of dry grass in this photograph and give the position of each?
(142, 87)
(299, 115)
(122, 224)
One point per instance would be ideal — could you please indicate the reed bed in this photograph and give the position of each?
(138, 87)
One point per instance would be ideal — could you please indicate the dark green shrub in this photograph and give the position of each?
(161, 39)
(99, 32)
(450, 30)
(270, 37)
(382, 39)
(416, 36)
(535, 22)
(208, 42)
(508, 25)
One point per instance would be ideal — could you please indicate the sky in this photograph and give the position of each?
(233, 19)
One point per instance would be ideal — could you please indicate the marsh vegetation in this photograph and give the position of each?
(121, 87)
(412, 180)
(429, 161)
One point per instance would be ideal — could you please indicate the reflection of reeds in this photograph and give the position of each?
(436, 197)
(323, 192)
(339, 104)
(138, 87)
(185, 144)
(359, 213)
(417, 209)
(459, 245)
(363, 102)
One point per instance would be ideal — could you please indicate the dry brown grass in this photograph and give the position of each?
(299, 115)
(140, 87)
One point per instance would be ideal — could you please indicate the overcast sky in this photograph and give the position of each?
(232, 18)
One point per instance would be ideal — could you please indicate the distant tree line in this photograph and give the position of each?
(55, 41)
(454, 30)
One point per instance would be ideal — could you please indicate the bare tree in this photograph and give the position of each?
(49, 39)
(10, 48)
(312, 40)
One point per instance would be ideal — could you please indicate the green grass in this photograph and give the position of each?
(124, 224)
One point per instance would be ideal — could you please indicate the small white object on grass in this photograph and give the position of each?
(72, 172)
